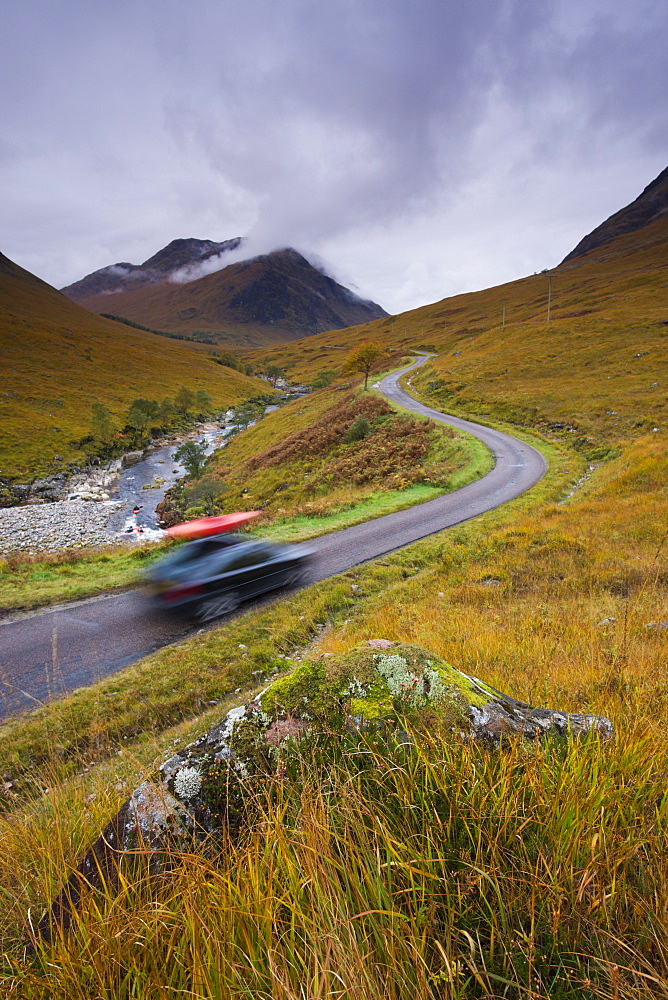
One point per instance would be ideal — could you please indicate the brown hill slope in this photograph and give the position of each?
(273, 297)
(647, 207)
(599, 366)
(58, 358)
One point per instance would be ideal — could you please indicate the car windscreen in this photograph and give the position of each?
(250, 555)
(202, 549)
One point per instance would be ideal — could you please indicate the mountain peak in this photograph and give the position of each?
(650, 205)
(185, 252)
(176, 256)
(186, 288)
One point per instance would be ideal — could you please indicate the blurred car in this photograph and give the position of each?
(210, 577)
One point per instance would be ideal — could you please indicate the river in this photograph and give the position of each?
(144, 484)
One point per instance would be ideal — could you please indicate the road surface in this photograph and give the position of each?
(49, 653)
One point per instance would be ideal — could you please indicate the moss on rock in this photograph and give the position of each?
(372, 685)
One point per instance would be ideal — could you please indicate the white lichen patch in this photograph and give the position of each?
(187, 783)
(232, 717)
(434, 686)
(355, 689)
(402, 682)
(259, 716)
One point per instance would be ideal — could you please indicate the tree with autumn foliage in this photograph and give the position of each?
(363, 358)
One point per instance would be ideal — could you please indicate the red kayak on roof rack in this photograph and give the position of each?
(204, 526)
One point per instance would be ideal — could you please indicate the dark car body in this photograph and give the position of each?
(211, 576)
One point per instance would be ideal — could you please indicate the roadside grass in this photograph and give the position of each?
(28, 582)
(376, 504)
(445, 872)
(301, 528)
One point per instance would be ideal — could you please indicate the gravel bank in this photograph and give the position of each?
(64, 524)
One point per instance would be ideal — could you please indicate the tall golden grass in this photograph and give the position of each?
(449, 871)
(432, 871)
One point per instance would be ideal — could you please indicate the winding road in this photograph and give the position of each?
(49, 653)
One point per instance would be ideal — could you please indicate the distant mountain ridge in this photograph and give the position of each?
(649, 206)
(160, 267)
(249, 303)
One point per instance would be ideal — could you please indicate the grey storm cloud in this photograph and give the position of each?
(421, 148)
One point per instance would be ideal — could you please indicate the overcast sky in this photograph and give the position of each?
(419, 148)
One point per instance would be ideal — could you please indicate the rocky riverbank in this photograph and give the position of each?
(64, 524)
(94, 479)
(114, 502)
(103, 504)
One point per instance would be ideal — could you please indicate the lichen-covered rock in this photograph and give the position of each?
(148, 822)
(395, 686)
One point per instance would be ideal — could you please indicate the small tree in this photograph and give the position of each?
(273, 373)
(324, 378)
(201, 498)
(193, 457)
(228, 360)
(166, 413)
(245, 414)
(203, 401)
(102, 425)
(142, 414)
(362, 359)
(184, 399)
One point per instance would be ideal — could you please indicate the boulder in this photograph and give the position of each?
(46, 489)
(377, 685)
(11, 493)
(132, 457)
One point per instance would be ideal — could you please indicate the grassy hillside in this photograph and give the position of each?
(336, 457)
(58, 359)
(649, 206)
(598, 367)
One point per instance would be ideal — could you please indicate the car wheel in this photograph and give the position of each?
(296, 576)
(214, 607)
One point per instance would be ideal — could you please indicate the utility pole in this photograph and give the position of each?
(549, 296)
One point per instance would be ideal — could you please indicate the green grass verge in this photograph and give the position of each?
(299, 529)
(28, 582)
